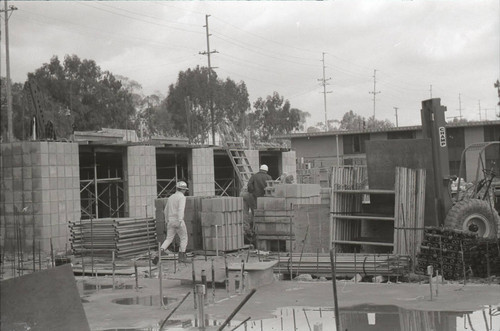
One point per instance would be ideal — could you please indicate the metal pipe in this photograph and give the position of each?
(160, 275)
(334, 284)
(213, 281)
(204, 282)
(235, 311)
(246, 320)
(201, 291)
(113, 267)
(226, 268)
(193, 274)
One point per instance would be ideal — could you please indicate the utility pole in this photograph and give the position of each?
(207, 53)
(8, 11)
(460, 105)
(324, 83)
(396, 110)
(479, 105)
(375, 92)
(430, 90)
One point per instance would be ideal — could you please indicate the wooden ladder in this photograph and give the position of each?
(236, 151)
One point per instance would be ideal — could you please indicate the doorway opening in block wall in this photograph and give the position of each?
(171, 166)
(101, 182)
(273, 162)
(226, 180)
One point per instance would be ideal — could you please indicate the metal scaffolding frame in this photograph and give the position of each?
(102, 197)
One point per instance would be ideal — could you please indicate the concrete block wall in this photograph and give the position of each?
(222, 223)
(141, 180)
(201, 169)
(40, 191)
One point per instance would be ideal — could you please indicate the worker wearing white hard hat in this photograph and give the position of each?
(174, 218)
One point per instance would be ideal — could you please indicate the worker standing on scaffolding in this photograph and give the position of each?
(174, 219)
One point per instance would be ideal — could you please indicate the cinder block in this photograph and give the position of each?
(26, 160)
(52, 148)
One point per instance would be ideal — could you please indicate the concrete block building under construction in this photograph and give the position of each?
(48, 185)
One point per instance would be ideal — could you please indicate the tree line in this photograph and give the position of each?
(79, 96)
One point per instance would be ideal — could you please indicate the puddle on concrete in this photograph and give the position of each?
(152, 300)
(357, 318)
(368, 317)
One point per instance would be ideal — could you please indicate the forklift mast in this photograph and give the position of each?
(434, 128)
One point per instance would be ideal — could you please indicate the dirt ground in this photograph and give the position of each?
(103, 314)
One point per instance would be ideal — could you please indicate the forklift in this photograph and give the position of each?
(474, 207)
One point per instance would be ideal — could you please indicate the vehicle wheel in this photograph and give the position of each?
(474, 216)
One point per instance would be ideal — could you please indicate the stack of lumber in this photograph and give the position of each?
(446, 250)
(125, 236)
(347, 264)
(409, 210)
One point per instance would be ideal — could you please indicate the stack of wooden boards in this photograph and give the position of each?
(212, 223)
(458, 255)
(124, 236)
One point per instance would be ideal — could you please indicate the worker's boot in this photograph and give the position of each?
(183, 257)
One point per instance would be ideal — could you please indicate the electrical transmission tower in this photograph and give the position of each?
(207, 53)
(374, 92)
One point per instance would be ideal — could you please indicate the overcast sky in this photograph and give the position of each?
(419, 49)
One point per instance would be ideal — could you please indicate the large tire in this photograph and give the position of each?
(474, 216)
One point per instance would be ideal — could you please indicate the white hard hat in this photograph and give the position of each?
(264, 167)
(182, 185)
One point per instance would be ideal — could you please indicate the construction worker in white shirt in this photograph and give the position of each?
(174, 218)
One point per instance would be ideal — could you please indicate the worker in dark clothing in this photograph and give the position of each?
(257, 185)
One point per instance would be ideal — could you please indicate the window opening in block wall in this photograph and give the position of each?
(101, 183)
(226, 179)
(171, 167)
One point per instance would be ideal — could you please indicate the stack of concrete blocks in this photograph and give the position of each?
(222, 223)
(201, 165)
(40, 193)
(192, 218)
(141, 180)
(275, 216)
